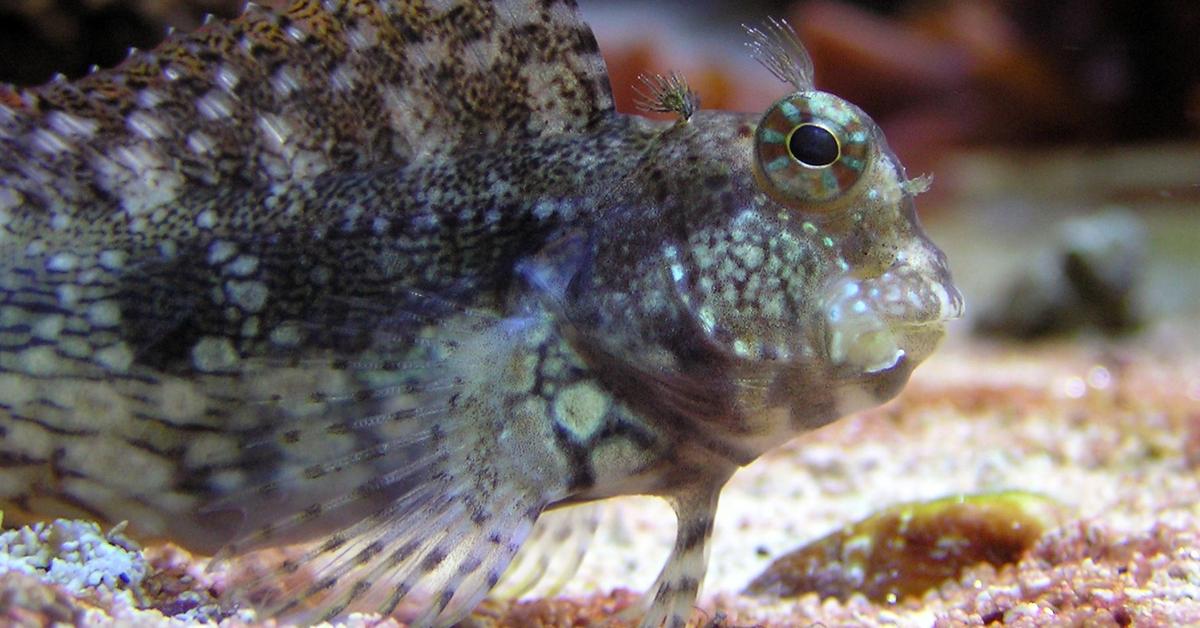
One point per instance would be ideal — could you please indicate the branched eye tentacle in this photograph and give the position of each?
(776, 46)
(666, 94)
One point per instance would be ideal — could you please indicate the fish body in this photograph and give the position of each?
(394, 279)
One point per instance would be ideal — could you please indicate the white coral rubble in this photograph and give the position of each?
(74, 554)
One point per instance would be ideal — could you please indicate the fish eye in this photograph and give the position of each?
(811, 147)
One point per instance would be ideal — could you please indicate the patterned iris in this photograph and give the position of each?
(812, 147)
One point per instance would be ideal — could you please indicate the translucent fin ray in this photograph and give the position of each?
(553, 552)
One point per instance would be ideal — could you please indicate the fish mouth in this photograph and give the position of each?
(871, 324)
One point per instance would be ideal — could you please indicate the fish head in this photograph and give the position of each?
(801, 258)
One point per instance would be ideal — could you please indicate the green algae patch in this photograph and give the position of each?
(911, 548)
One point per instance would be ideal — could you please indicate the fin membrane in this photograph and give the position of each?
(291, 90)
(552, 553)
(401, 477)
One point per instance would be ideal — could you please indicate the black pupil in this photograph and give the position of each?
(813, 145)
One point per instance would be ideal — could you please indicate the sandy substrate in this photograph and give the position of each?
(1109, 430)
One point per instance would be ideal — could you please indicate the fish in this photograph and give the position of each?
(389, 281)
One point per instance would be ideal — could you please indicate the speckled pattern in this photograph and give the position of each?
(393, 278)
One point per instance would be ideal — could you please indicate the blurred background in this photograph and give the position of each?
(1064, 142)
(935, 72)
(1026, 112)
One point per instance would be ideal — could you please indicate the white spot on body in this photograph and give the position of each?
(201, 143)
(613, 457)
(72, 125)
(178, 401)
(285, 81)
(146, 125)
(772, 306)
(214, 353)
(243, 266)
(220, 251)
(49, 142)
(730, 270)
(88, 276)
(149, 98)
(61, 263)
(48, 327)
(248, 295)
(75, 347)
(214, 105)
(343, 78)
(544, 209)
(112, 259)
(276, 130)
(39, 361)
(206, 219)
(10, 316)
(227, 77)
(500, 188)
(286, 156)
(581, 408)
(116, 358)
(139, 175)
(286, 335)
(104, 314)
(295, 34)
(15, 390)
(68, 296)
(751, 256)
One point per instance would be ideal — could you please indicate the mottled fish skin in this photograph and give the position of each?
(394, 278)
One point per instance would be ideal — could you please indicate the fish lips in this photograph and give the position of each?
(873, 323)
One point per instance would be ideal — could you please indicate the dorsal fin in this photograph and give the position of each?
(296, 88)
